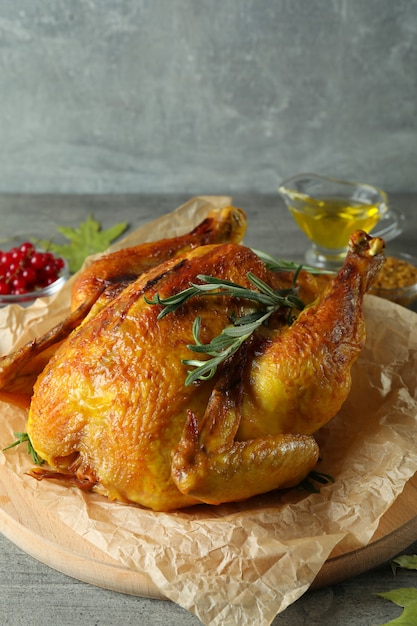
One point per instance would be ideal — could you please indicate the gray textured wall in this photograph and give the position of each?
(206, 95)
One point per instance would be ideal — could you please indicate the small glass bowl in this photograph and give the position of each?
(29, 297)
(405, 295)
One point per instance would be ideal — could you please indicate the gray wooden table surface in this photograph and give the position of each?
(31, 592)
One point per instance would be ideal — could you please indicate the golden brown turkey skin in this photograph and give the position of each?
(113, 399)
(116, 270)
(102, 281)
(111, 405)
(300, 377)
(291, 380)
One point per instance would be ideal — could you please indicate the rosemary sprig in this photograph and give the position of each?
(212, 286)
(234, 335)
(222, 346)
(22, 438)
(308, 484)
(278, 265)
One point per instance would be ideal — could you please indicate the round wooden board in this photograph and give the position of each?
(44, 537)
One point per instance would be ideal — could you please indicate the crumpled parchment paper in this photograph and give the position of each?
(245, 563)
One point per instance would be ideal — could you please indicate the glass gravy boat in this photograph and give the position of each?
(328, 210)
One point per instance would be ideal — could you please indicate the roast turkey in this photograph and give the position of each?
(111, 408)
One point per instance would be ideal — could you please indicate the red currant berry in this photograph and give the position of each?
(37, 260)
(18, 283)
(13, 267)
(27, 248)
(59, 263)
(49, 280)
(17, 255)
(49, 269)
(6, 259)
(5, 288)
(29, 275)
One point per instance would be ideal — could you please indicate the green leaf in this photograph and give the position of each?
(88, 238)
(405, 561)
(407, 599)
(24, 438)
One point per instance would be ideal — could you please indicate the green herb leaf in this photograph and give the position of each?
(309, 483)
(405, 561)
(88, 238)
(22, 438)
(406, 598)
(220, 348)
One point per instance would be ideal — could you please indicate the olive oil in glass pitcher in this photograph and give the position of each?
(328, 211)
